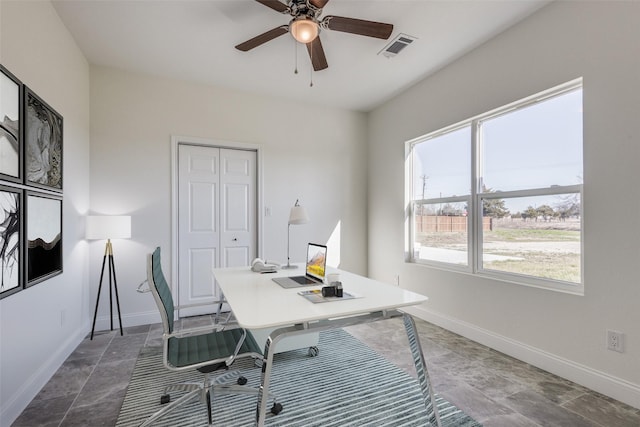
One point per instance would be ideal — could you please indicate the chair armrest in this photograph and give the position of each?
(200, 304)
(217, 314)
(143, 287)
(194, 331)
(200, 330)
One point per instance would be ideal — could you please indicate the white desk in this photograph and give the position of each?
(258, 302)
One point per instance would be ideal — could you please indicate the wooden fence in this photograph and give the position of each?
(438, 223)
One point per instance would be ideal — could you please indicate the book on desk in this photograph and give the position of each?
(315, 296)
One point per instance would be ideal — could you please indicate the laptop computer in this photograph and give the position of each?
(314, 270)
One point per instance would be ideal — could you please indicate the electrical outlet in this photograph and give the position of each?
(397, 279)
(615, 341)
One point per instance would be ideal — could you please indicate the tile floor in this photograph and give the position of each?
(495, 389)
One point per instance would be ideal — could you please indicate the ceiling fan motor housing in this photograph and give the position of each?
(298, 8)
(306, 25)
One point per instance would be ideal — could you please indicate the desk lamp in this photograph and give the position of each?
(101, 228)
(297, 216)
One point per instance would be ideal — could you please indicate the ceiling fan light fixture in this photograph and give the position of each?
(304, 30)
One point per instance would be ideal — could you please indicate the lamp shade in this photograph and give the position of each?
(304, 30)
(108, 227)
(298, 215)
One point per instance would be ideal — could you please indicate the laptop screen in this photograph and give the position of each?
(316, 260)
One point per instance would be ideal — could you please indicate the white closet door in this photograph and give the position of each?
(216, 219)
(238, 207)
(198, 225)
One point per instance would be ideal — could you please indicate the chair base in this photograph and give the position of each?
(203, 390)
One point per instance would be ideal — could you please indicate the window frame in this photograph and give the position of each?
(475, 199)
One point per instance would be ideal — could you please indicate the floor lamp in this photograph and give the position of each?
(298, 215)
(101, 228)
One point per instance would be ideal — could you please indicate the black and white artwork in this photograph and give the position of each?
(44, 237)
(43, 143)
(10, 126)
(10, 240)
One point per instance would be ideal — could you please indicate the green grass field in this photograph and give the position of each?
(531, 235)
(541, 252)
(562, 266)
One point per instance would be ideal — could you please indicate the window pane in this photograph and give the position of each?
(442, 166)
(522, 167)
(534, 147)
(540, 236)
(440, 231)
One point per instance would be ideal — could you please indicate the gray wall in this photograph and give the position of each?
(311, 153)
(560, 332)
(41, 325)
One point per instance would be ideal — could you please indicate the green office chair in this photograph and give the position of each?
(206, 349)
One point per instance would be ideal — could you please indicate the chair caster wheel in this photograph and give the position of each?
(164, 399)
(313, 351)
(242, 381)
(276, 408)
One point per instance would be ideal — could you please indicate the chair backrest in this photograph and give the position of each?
(160, 290)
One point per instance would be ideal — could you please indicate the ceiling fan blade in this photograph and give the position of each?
(319, 3)
(316, 53)
(263, 38)
(358, 26)
(275, 5)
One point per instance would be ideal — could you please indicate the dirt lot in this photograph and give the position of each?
(540, 248)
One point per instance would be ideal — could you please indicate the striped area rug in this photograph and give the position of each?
(347, 384)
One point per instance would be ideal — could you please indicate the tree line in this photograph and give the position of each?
(567, 207)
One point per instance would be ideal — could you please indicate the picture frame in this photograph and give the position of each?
(11, 127)
(11, 240)
(43, 143)
(43, 248)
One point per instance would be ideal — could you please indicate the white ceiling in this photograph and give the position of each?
(194, 40)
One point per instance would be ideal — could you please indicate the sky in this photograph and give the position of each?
(534, 147)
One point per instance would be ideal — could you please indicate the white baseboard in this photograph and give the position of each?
(13, 407)
(129, 320)
(611, 386)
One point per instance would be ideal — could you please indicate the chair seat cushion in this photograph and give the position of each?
(211, 347)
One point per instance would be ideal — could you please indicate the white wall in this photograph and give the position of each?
(314, 154)
(562, 333)
(42, 325)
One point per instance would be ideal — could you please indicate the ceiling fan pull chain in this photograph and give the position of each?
(295, 55)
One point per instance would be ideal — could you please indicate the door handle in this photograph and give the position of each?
(235, 239)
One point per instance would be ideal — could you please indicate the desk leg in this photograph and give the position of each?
(421, 370)
(263, 391)
(414, 344)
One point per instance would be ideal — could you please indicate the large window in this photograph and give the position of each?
(501, 194)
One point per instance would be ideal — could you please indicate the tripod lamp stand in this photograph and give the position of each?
(101, 228)
(298, 215)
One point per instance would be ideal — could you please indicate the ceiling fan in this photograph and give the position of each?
(306, 25)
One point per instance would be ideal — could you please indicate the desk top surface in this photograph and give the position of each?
(258, 302)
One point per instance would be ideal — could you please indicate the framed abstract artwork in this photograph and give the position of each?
(42, 143)
(11, 127)
(11, 239)
(44, 236)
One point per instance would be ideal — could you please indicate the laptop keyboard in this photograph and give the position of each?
(303, 280)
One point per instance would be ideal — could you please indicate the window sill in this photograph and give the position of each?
(514, 279)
